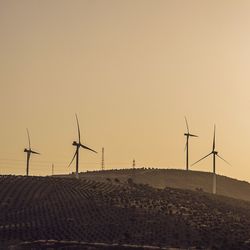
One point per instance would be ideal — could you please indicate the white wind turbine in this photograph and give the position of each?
(214, 153)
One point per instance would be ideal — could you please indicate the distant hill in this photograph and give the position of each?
(66, 213)
(161, 178)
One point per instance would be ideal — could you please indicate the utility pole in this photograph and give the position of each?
(103, 159)
(134, 164)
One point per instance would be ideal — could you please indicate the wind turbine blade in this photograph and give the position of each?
(187, 124)
(88, 148)
(72, 159)
(214, 139)
(34, 152)
(201, 159)
(79, 134)
(193, 135)
(224, 160)
(28, 137)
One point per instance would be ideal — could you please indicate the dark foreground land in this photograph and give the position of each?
(85, 214)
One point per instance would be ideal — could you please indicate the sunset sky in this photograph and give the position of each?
(131, 70)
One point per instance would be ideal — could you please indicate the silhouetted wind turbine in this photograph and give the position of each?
(186, 147)
(214, 153)
(29, 152)
(78, 145)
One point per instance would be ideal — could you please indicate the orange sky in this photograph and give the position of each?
(131, 70)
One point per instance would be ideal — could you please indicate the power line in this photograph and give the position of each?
(10, 161)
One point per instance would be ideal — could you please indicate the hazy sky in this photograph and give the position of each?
(131, 70)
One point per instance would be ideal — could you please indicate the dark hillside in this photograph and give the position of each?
(66, 209)
(161, 178)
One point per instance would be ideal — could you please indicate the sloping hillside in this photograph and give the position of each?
(65, 209)
(161, 178)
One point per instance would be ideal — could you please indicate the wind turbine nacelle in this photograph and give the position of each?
(216, 152)
(25, 150)
(186, 134)
(75, 143)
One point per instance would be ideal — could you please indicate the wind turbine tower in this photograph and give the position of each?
(214, 153)
(78, 145)
(29, 151)
(187, 144)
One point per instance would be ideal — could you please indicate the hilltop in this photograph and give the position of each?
(161, 178)
(117, 215)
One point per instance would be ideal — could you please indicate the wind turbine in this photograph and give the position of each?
(188, 135)
(78, 145)
(29, 152)
(214, 153)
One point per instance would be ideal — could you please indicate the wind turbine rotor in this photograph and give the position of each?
(214, 139)
(34, 152)
(78, 145)
(29, 152)
(187, 125)
(78, 127)
(28, 137)
(88, 148)
(193, 135)
(202, 158)
(223, 159)
(188, 133)
(73, 158)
